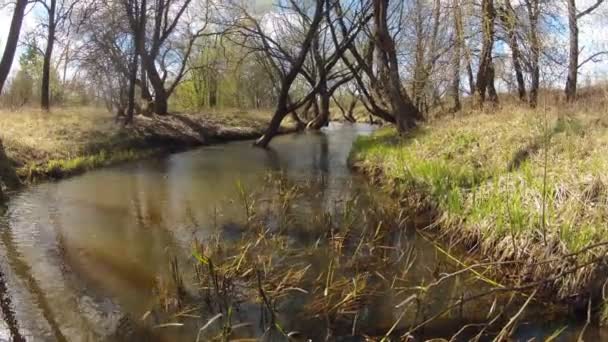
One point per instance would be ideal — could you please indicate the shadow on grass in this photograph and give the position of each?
(566, 125)
(388, 137)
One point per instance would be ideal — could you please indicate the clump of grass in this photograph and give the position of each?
(331, 268)
(506, 183)
(59, 168)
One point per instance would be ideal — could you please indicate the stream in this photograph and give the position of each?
(79, 258)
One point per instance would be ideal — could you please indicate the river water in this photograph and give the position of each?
(79, 255)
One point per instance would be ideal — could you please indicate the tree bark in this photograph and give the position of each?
(404, 111)
(533, 14)
(509, 20)
(160, 94)
(7, 171)
(132, 83)
(485, 74)
(571, 81)
(45, 94)
(456, 55)
(470, 74)
(322, 117)
(419, 79)
(11, 41)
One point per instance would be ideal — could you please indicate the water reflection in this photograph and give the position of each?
(81, 256)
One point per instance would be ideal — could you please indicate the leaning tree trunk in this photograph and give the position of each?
(45, 94)
(571, 81)
(282, 109)
(11, 41)
(404, 111)
(7, 171)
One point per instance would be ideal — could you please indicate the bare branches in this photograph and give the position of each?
(590, 9)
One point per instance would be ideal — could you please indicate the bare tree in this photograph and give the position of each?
(508, 17)
(292, 70)
(58, 13)
(164, 18)
(573, 64)
(136, 12)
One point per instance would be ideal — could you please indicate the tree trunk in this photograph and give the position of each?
(347, 113)
(212, 88)
(45, 94)
(509, 20)
(456, 54)
(131, 93)
(533, 13)
(160, 94)
(140, 45)
(281, 109)
(300, 125)
(404, 111)
(322, 117)
(275, 122)
(470, 74)
(571, 81)
(7, 171)
(11, 41)
(419, 79)
(485, 74)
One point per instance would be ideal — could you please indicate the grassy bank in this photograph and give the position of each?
(67, 141)
(524, 187)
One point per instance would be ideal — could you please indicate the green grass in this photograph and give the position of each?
(485, 174)
(59, 168)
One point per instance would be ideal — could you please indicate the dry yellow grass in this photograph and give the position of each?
(31, 135)
(70, 140)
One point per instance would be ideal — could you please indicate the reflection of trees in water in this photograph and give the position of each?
(321, 159)
(6, 307)
(23, 271)
(273, 160)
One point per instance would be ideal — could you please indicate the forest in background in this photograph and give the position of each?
(201, 54)
(402, 62)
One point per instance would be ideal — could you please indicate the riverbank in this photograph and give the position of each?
(65, 142)
(524, 189)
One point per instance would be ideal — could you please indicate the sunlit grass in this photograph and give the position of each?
(74, 139)
(494, 177)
